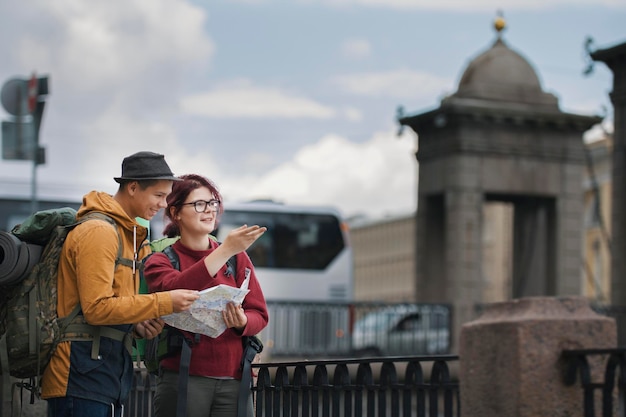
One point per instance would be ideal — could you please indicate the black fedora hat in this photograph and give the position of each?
(145, 166)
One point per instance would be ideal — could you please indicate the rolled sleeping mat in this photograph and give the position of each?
(17, 258)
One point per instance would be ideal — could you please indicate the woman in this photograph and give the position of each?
(193, 208)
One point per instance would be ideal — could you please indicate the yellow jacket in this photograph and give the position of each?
(108, 295)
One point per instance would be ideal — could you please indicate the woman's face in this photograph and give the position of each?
(198, 214)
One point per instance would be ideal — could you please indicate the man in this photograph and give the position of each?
(92, 373)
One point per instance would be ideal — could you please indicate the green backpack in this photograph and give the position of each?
(153, 350)
(30, 328)
(139, 351)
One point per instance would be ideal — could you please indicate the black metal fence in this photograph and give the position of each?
(393, 386)
(416, 386)
(603, 394)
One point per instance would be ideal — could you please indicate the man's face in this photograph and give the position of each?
(147, 202)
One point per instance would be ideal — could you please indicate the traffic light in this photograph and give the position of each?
(25, 100)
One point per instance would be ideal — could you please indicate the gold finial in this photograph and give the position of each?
(499, 23)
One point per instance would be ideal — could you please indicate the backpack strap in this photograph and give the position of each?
(73, 326)
(183, 372)
(77, 329)
(183, 379)
(185, 353)
(172, 255)
(252, 345)
(119, 260)
(231, 267)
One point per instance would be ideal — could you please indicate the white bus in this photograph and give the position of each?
(305, 255)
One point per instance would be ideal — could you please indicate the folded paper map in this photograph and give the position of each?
(205, 314)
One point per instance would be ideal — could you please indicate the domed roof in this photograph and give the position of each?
(501, 74)
(498, 66)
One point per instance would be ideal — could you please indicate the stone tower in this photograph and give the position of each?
(499, 137)
(615, 59)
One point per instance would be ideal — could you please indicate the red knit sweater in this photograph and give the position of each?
(212, 357)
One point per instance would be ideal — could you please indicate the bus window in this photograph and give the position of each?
(292, 241)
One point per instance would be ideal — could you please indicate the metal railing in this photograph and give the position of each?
(139, 401)
(393, 386)
(340, 329)
(608, 387)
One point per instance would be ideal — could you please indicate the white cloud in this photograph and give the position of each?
(245, 100)
(375, 178)
(104, 52)
(599, 131)
(104, 42)
(401, 83)
(356, 48)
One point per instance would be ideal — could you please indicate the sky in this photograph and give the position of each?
(293, 100)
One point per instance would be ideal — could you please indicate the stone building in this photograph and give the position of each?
(500, 142)
(386, 247)
(615, 58)
(384, 260)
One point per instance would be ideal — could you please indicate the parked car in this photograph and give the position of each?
(403, 330)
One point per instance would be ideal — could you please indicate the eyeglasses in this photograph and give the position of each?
(201, 205)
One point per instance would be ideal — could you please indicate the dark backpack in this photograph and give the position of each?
(30, 328)
(172, 341)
